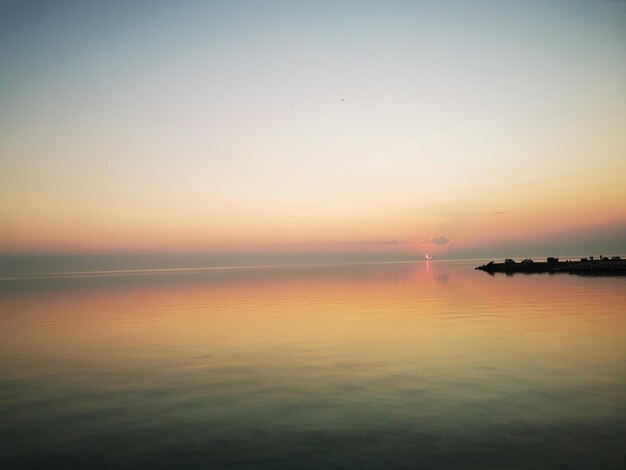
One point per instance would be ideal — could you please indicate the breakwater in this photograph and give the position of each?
(603, 265)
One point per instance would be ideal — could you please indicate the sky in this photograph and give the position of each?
(457, 128)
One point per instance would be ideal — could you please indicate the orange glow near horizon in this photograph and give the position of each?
(588, 219)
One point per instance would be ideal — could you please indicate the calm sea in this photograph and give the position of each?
(396, 365)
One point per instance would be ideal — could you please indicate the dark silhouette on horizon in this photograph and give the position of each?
(602, 266)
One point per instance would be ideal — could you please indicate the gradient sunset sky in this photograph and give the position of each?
(459, 128)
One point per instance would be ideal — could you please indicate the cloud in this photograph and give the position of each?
(388, 242)
(499, 212)
(439, 241)
(376, 242)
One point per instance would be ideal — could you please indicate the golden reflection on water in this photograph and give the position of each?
(399, 315)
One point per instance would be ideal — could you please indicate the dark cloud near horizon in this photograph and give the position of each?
(439, 241)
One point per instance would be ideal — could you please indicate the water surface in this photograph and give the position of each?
(399, 365)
